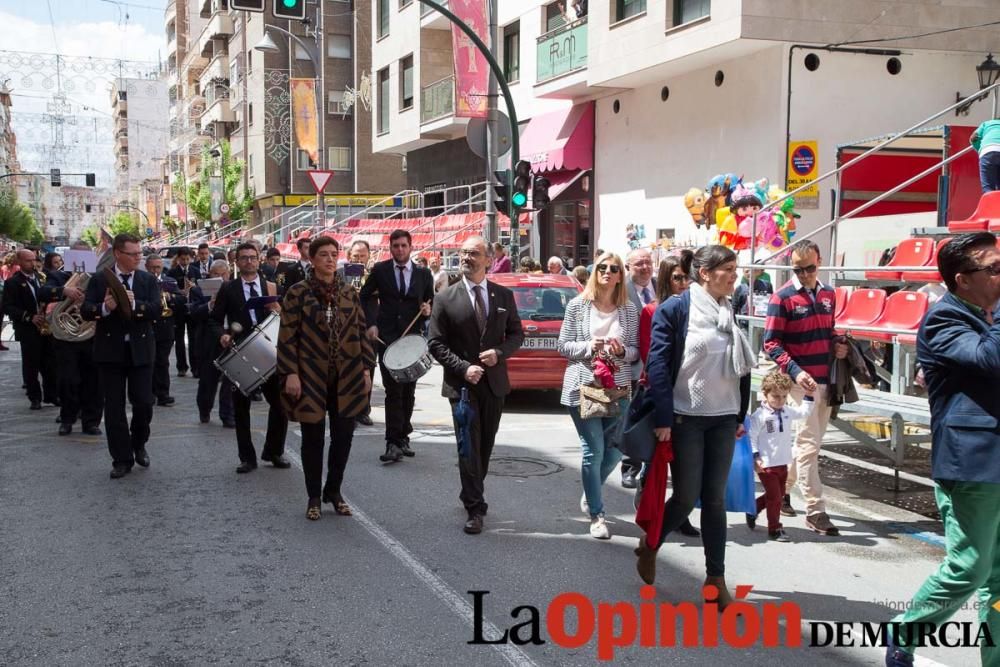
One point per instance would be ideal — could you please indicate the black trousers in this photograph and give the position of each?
(182, 323)
(135, 382)
(37, 360)
(483, 429)
(161, 366)
(277, 423)
(80, 393)
(341, 435)
(210, 380)
(399, 400)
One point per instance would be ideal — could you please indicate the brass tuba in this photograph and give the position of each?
(64, 319)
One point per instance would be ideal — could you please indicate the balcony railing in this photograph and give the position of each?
(562, 50)
(437, 100)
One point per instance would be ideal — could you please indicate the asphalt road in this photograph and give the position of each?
(188, 563)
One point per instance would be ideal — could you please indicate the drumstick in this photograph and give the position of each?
(417, 317)
(380, 340)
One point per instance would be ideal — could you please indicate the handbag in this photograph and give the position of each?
(600, 402)
(634, 434)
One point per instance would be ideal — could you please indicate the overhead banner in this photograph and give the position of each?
(304, 113)
(472, 72)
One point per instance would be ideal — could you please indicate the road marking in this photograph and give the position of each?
(509, 652)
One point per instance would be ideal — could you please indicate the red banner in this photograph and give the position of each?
(472, 72)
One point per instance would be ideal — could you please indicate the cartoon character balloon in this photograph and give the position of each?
(694, 201)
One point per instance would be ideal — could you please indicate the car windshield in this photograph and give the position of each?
(542, 303)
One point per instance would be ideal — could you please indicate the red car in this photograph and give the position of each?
(541, 302)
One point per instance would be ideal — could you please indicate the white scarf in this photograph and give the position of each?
(705, 308)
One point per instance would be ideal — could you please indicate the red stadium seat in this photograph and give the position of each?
(864, 307)
(929, 276)
(909, 252)
(903, 310)
(986, 216)
(842, 294)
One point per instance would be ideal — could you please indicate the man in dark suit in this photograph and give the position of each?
(186, 275)
(79, 387)
(199, 309)
(26, 310)
(124, 350)
(164, 329)
(396, 292)
(269, 267)
(231, 305)
(203, 263)
(475, 328)
(958, 348)
(298, 271)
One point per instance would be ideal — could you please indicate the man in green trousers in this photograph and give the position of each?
(958, 348)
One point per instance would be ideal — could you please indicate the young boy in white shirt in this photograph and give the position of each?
(771, 439)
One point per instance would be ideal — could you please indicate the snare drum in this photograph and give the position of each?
(250, 364)
(407, 359)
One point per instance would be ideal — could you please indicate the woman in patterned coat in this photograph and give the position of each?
(325, 364)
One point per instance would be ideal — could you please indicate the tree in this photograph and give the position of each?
(198, 195)
(123, 222)
(17, 221)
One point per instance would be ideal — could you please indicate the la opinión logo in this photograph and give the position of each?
(740, 625)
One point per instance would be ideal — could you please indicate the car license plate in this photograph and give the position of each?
(539, 343)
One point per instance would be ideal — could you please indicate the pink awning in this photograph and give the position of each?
(561, 139)
(560, 181)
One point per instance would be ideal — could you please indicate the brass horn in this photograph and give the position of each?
(63, 318)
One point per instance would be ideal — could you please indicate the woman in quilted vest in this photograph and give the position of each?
(599, 332)
(325, 363)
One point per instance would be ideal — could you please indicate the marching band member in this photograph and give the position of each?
(186, 275)
(199, 309)
(26, 311)
(79, 390)
(231, 306)
(396, 292)
(164, 328)
(270, 266)
(325, 363)
(296, 272)
(125, 350)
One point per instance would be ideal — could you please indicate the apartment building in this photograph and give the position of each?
(8, 140)
(141, 141)
(673, 92)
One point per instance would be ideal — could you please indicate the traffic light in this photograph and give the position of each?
(91, 180)
(294, 10)
(540, 193)
(247, 5)
(55, 177)
(503, 192)
(522, 181)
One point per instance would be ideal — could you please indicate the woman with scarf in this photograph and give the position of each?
(699, 383)
(599, 333)
(325, 363)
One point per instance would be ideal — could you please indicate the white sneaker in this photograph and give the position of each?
(584, 505)
(599, 528)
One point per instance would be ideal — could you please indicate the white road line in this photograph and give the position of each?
(463, 609)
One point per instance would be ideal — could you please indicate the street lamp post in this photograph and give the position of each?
(267, 45)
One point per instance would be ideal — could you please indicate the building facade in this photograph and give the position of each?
(141, 143)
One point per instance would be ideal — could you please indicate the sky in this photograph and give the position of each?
(78, 29)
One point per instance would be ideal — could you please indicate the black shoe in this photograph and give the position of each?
(246, 467)
(166, 401)
(407, 452)
(393, 454)
(117, 472)
(365, 420)
(65, 429)
(257, 396)
(277, 461)
(778, 536)
(687, 529)
(474, 525)
(59, 419)
(181, 374)
(142, 458)
(194, 375)
(228, 423)
(628, 479)
(36, 405)
(786, 506)
(91, 430)
(52, 401)
(751, 521)
(204, 417)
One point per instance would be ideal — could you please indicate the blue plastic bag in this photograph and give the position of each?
(740, 490)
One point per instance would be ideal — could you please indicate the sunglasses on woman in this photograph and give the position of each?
(679, 278)
(604, 268)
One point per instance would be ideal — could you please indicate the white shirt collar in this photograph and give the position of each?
(469, 284)
(121, 272)
(255, 281)
(405, 267)
(798, 284)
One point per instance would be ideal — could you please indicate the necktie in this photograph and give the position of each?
(125, 278)
(477, 291)
(253, 293)
(645, 294)
(402, 280)
(781, 422)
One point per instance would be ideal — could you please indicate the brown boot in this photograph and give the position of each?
(646, 565)
(724, 599)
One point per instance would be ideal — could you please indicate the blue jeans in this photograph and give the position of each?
(598, 459)
(989, 172)
(703, 452)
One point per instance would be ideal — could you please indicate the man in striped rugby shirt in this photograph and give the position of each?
(799, 337)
